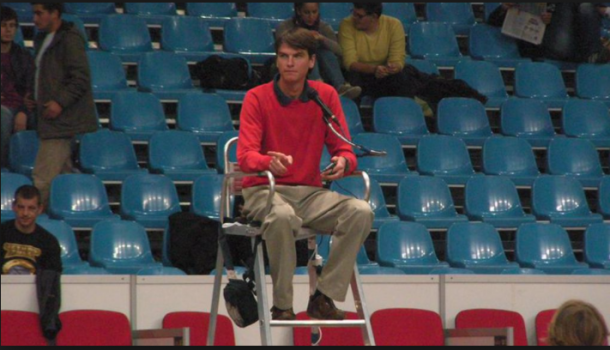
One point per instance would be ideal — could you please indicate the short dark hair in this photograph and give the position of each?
(8, 14)
(28, 192)
(299, 39)
(51, 6)
(370, 7)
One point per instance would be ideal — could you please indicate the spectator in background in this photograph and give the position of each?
(577, 323)
(17, 83)
(328, 67)
(63, 93)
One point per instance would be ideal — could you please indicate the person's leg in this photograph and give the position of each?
(7, 130)
(330, 68)
(54, 158)
(559, 41)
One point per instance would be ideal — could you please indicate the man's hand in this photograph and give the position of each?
(280, 163)
(394, 68)
(381, 72)
(52, 110)
(21, 122)
(336, 173)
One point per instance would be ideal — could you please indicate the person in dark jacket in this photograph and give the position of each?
(63, 92)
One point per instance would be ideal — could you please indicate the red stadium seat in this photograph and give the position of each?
(407, 327)
(486, 318)
(198, 322)
(330, 336)
(21, 329)
(94, 328)
(543, 320)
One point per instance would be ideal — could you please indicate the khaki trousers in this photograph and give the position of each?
(348, 219)
(54, 158)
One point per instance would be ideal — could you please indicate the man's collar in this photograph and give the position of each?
(285, 100)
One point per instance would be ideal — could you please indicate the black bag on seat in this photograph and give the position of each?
(216, 72)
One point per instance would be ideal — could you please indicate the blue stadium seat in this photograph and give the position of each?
(149, 200)
(435, 42)
(404, 11)
(477, 247)
(528, 119)
(205, 115)
(490, 7)
(489, 44)
(121, 247)
(177, 155)
(23, 151)
(354, 187)
(126, 36)
(407, 246)
(137, 114)
(325, 243)
(220, 149)
(423, 66)
(352, 116)
(80, 200)
(160, 271)
(465, 118)
(216, 14)
(495, 200)
(575, 157)
(379, 271)
(588, 120)
(187, 36)
(67, 241)
(591, 272)
(334, 13)
(10, 184)
(446, 157)
(165, 258)
(543, 81)
(459, 15)
(513, 271)
(390, 169)
(18, 39)
(23, 10)
(561, 199)
(151, 12)
(485, 77)
(593, 82)
(604, 193)
(273, 12)
(107, 75)
(207, 195)
(400, 117)
(546, 247)
(238, 38)
(90, 12)
(597, 246)
(84, 270)
(165, 74)
(427, 200)
(109, 155)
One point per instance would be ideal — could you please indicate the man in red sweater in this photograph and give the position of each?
(283, 131)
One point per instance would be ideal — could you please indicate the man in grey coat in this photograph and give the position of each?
(63, 93)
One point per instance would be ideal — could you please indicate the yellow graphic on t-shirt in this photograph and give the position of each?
(22, 257)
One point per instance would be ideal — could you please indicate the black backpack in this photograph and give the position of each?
(216, 72)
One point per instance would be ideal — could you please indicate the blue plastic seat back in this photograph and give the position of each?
(23, 10)
(324, 245)
(393, 163)
(160, 71)
(404, 11)
(78, 194)
(604, 194)
(450, 12)
(23, 152)
(509, 156)
(119, 243)
(212, 9)
(107, 150)
(151, 8)
(526, 118)
(490, 7)
(576, 157)
(405, 243)
(186, 34)
(485, 77)
(492, 196)
(271, 10)
(145, 194)
(433, 39)
(19, 39)
(124, 34)
(176, 150)
(10, 185)
(107, 72)
(425, 197)
(544, 244)
(463, 117)
(239, 39)
(66, 238)
(90, 8)
(220, 149)
(487, 42)
(424, 66)
(586, 119)
(137, 112)
(593, 81)
(352, 117)
(207, 195)
(539, 80)
(199, 113)
(559, 196)
(354, 187)
(399, 116)
(477, 244)
(443, 155)
(597, 246)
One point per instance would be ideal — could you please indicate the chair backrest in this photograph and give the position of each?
(21, 328)
(186, 34)
(604, 193)
(115, 242)
(149, 195)
(78, 193)
(405, 243)
(151, 8)
(212, 9)
(23, 152)
(593, 81)
(576, 157)
(354, 187)
(450, 12)
(492, 197)
(443, 155)
(393, 163)
(124, 34)
(352, 116)
(476, 244)
(485, 77)
(407, 327)
(199, 322)
(485, 318)
(271, 10)
(463, 117)
(67, 240)
(404, 11)
(90, 8)
(539, 80)
(525, 118)
(433, 39)
(23, 10)
(487, 42)
(509, 156)
(94, 328)
(597, 245)
(137, 111)
(19, 39)
(238, 36)
(160, 71)
(220, 150)
(107, 150)
(586, 119)
(162, 153)
(424, 197)
(107, 72)
(423, 65)
(324, 245)
(543, 244)
(543, 321)
(200, 113)
(10, 185)
(330, 336)
(490, 7)
(207, 193)
(399, 116)
(559, 196)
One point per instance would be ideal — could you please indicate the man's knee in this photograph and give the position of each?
(361, 210)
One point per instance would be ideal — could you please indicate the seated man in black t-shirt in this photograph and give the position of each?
(27, 247)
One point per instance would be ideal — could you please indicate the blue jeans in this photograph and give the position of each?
(327, 68)
(7, 131)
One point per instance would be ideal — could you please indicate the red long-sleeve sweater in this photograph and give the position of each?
(296, 130)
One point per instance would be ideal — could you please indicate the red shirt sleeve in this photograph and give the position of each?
(336, 146)
(250, 141)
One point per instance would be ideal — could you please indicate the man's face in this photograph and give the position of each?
(43, 19)
(26, 212)
(9, 29)
(293, 64)
(362, 20)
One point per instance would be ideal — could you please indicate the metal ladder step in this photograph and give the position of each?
(328, 324)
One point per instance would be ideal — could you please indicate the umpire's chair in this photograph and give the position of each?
(232, 187)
